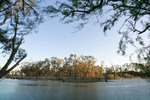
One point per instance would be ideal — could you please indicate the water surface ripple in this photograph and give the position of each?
(127, 89)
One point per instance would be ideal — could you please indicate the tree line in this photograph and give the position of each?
(81, 67)
(76, 67)
(20, 17)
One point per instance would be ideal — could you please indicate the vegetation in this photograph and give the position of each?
(78, 68)
(133, 17)
(17, 19)
(75, 67)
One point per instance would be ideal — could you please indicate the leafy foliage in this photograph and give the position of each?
(133, 14)
(75, 67)
(25, 13)
(17, 19)
(82, 67)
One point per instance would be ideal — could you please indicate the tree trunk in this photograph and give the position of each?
(4, 72)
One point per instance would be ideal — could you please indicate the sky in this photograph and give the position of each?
(56, 39)
(59, 40)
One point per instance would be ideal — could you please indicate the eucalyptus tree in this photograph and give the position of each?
(25, 68)
(17, 19)
(73, 63)
(144, 68)
(46, 67)
(133, 17)
(56, 65)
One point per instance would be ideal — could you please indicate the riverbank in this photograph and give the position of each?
(68, 79)
(63, 79)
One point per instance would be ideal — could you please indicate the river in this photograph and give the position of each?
(126, 89)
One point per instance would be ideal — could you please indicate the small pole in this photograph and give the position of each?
(105, 77)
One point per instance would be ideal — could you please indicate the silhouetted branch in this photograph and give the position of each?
(17, 63)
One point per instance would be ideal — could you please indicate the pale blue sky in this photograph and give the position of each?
(56, 39)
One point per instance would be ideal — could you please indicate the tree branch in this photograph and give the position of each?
(14, 50)
(92, 9)
(31, 7)
(14, 6)
(136, 30)
(140, 32)
(6, 18)
(15, 28)
(17, 63)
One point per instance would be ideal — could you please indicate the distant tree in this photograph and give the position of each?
(15, 73)
(46, 67)
(17, 19)
(113, 68)
(133, 14)
(145, 68)
(54, 63)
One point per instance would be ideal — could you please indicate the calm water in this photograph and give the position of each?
(128, 89)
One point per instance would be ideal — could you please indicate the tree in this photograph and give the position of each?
(26, 8)
(133, 14)
(18, 19)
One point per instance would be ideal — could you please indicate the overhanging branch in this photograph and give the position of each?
(90, 10)
(17, 63)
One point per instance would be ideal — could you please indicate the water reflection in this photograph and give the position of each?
(148, 80)
(129, 89)
(86, 86)
(34, 84)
